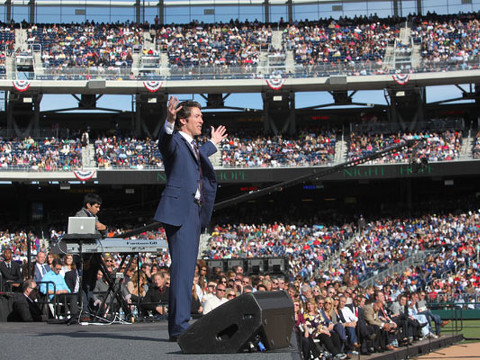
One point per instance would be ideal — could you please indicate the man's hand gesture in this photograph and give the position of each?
(172, 109)
(218, 134)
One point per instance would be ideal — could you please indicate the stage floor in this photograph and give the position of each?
(38, 341)
(117, 341)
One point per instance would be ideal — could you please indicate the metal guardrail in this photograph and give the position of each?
(414, 259)
(219, 72)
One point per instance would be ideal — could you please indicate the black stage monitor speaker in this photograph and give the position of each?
(240, 324)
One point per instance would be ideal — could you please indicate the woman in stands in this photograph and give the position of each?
(320, 330)
(304, 339)
(137, 286)
(67, 264)
(330, 316)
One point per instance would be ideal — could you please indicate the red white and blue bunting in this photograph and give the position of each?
(276, 80)
(401, 79)
(153, 86)
(21, 85)
(84, 175)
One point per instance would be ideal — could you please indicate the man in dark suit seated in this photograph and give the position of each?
(11, 273)
(25, 309)
(156, 296)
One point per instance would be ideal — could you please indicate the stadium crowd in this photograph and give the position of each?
(311, 147)
(448, 40)
(443, 146)
(87, 45)
(49, 154)
(315, 43)
(113, 152)
(451, 40)
(214, 44)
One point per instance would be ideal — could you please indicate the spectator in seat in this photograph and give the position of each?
(10, 270)
(156, 296)
(41, 267)
(25, 309)
(421, 304)
(60, 289)
(217, 300)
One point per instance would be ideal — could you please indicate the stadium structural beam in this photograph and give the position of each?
(8, 4)
(279, 112)
(290, 10)
(23, 114)
(151, 110)
(315, 174)
(406, 105)
(267, 11)
(161, 12)
(31, 15)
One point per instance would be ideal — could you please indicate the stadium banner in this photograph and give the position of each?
(401, 79)
(84, 175)
(153, 86)
(276, 175)
(21, 85)
(276, 80)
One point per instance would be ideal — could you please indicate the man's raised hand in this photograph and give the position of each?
(172, 109)
(219, 134)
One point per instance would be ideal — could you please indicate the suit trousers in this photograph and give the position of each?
(183, 244)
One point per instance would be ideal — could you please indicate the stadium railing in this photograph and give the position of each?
(220, 72)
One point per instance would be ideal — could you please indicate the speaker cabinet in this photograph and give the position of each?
(239, 324)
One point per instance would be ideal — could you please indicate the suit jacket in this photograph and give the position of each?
(25, 310)
(37, 276)
(183, 177)
(371, 316)
(13, 274)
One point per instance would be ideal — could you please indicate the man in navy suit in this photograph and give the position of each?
(11, 272)
(187, 201)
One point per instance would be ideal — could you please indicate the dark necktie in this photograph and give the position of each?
(197, 155)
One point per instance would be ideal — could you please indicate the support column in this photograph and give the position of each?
(31, 5)
(267, 11)
(407, 106)
(279, 112)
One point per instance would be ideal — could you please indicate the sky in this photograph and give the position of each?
(302, 99)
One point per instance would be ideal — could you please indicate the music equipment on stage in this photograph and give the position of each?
(81, 225)
(250, 322)
(114, 245)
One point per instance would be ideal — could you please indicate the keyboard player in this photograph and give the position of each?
(91, 206)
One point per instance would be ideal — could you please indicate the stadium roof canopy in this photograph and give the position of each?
(181, 11)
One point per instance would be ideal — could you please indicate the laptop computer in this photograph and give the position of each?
(81, 225)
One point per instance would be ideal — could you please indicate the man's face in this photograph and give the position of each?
(7, 255)
(275, 284)
(41, 258)
(343, 302)
(220, 291)
(193, 124)
(94, 209)
(32, 290)
(57, 268)
(158, 281)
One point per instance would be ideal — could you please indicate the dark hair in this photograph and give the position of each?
(92, 199)
(185, 112)
(27, 283)
(56, 262)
